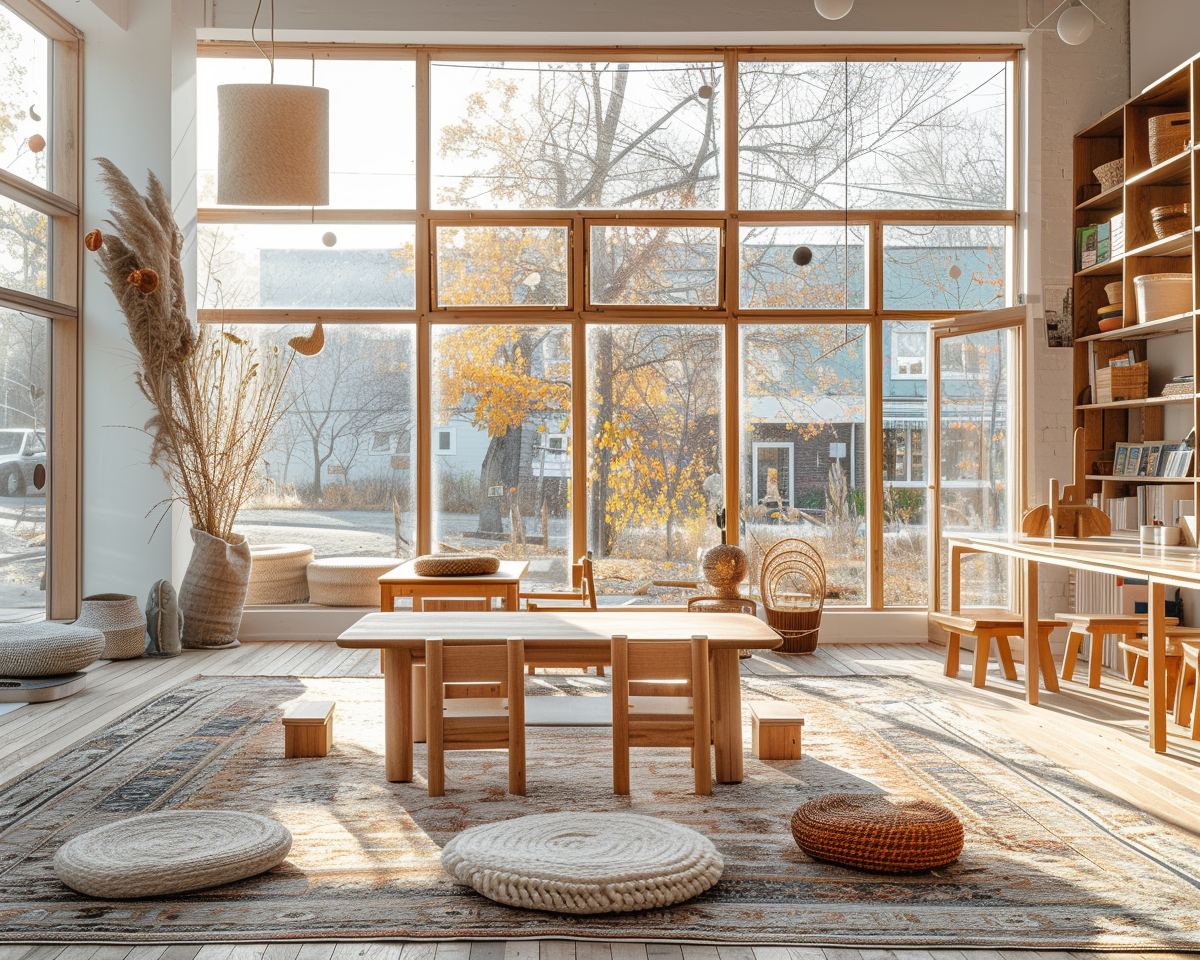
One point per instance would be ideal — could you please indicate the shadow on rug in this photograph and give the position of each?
(1049, 861)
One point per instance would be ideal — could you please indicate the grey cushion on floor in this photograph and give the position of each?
(175, 851)
(47, 649)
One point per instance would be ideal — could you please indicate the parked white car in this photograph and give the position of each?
(21, 453)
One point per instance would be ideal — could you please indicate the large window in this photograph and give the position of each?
(605, 300)
(39, 297)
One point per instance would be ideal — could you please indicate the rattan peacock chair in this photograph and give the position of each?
(792, 588)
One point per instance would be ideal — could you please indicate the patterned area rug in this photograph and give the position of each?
(1049, 861)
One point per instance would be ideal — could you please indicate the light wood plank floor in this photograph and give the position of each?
(1100, 735)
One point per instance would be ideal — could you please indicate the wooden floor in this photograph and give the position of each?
(1100, 735)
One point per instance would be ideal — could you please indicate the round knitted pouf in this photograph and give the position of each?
(348, 581)
(157, 854)
(456, 565)
(584, 862)
(871, 832)
(47, 649)
(279, 573)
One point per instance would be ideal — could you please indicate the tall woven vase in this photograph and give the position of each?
(214, 591)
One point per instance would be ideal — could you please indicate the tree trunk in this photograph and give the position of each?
(501, 468)
(317, 493)
(601, 531)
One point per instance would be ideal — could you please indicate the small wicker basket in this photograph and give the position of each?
(1162, 295)
(1111, 174)
(1130, 382)
(1113, 291)
(1171, 219)
(792, 586)
(1169, 135)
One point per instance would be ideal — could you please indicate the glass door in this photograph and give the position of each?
(976, 387)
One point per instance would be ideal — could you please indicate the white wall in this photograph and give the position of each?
(1162, 34)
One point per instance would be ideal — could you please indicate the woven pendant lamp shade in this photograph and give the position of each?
(273, 146)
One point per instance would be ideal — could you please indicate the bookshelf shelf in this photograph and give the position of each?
(1123, 214)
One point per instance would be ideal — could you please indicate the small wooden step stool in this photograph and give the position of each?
(1097, 626)
(308, 729)
(776, 729)
(986, 626)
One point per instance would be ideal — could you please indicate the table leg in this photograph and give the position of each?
(397, 715)
(512, 599)
(387, 599)
(726, 698)
(1029, 599)
(1157, 667)
(956, 555)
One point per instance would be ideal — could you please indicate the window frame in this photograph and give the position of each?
(581, 312)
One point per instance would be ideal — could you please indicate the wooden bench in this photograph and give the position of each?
(1137, 655)
(1097, 626)
(776, 729)
(986, 626)
(308, 729)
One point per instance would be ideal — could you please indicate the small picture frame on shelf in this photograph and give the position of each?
(1164, 459)
(1180, 464)
(1120, 458)
(1134, 463)
(1149, 465)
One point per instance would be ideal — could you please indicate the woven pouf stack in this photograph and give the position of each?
(456, 565)
(279, 573)
(157, 854)
(348, 581)
(47, 649)
(584, 862)
(872, 832)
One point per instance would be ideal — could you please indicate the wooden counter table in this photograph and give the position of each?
(404, 581)
(1161, 566)
(580, 638)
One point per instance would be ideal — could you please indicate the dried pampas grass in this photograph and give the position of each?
(216, 397)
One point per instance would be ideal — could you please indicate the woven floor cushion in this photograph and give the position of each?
(872, 832)
(456, 565)
(157, 854)
(47, 649)
(279, 573)
(584, 862)
(348, 581)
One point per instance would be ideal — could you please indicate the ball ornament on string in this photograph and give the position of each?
(37, 143)
(802, 256)
(955, 271)
(705, 92)
(329, 238)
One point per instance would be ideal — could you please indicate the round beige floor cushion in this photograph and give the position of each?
(157, 854)
(279, 572)
(873, 832)
(47, 649)
(584, 862)
(348, 581)
(456, 565)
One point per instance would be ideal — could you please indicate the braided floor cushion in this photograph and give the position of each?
(871, 832)
(175, 851)
(584, 862)
(47, 649)
(456, 565)
(279, 572)
(348, 581)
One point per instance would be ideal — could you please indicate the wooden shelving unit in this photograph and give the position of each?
(1124, 133)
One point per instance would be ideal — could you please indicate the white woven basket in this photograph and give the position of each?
(1161, 295)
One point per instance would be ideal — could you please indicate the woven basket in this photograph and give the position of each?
(1113, 292)
(213, 591)
(1171, 219)
(792, 587)
(456, 565)
(1162, 295)
(119, 617)
(872, 832)
(279, 573)
(1169, 134)
(1111, 174)
(347, 581)
(1130, 382)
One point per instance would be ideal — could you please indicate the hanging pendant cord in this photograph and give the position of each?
(254, 23)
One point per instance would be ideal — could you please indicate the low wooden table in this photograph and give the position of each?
(505, 584)
(578, 638)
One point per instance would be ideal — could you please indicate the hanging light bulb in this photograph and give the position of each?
(833, 9)
(1076, 25)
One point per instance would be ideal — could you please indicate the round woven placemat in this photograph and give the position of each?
(584, 862)
(456, 565)
(872, 832)
(156, 854)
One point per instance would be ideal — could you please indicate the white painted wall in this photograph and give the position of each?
(1162, 34)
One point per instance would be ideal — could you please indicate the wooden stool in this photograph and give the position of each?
(1096, 626)
(308, 729)
(776, 729)
(1187, 697)
(1137, 657)
(986, 626)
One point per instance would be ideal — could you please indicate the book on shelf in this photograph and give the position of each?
(1085, 247)
(1116, 230)
(1103, 243)
(1178, 386)
(1155, 459)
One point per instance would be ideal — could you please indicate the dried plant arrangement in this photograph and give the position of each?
(216, 397)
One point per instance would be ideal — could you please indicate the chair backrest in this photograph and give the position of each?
(587, 581)
(793, 576)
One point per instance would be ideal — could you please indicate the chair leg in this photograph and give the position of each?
(1006, 657)
(531, 670)
(419, 712)
(1095, 659)
(1131, 660)
(1185, 694)
(1139, 671)
(1074, 639)
(599, 669)
(1173, 665)
(983, 651)
(1046, 660)
(953, 651)
(1196, 707)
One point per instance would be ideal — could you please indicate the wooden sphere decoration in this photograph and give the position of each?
(37, 143)
(329, 239)
(705, 92)
(802, 256)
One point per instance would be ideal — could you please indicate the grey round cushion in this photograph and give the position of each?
(584, 862)
(156, 854)
(47, 649)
